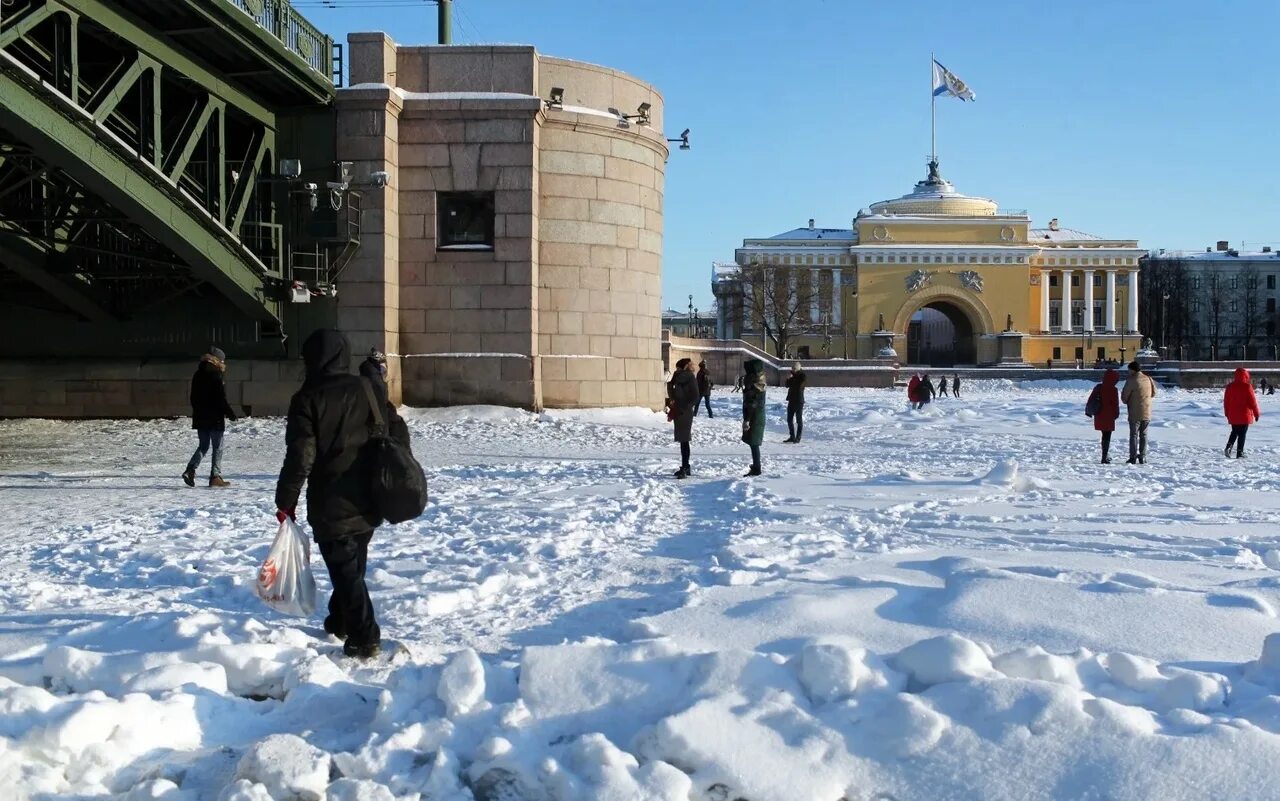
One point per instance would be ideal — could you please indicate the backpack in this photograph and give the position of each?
(1094, 404)
(398, 484)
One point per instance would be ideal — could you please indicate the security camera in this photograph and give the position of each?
(337, 186)
(309, 187)
(380, 178)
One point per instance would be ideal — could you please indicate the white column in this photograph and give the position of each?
(1088, 301)
(837, 298)
(1044, 300)
(1132, 289)
(815, 289)
(1064, 315)
(1111, 301)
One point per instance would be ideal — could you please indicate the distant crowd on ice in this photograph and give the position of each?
(687, 391)
(346, 443)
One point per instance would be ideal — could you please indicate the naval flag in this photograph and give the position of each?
(945, 82)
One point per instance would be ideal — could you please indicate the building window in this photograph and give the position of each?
(1079, 354)
(1102, 354)
(1271, 282)
(465, 220)
(1097, 279)
(1053, 261)
(1053, 280)
(1057, 354)
(1055, 314)
(1235, 306)
(1271, 304)
(1097, 314)
(1235, 282)
(1195, 282)
(1075, 280)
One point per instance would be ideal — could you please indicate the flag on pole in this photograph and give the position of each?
(945, 82)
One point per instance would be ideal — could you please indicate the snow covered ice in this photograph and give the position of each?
(951, 603)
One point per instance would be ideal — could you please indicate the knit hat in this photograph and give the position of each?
(217, 353)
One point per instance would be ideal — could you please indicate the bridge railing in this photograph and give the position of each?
(293, 29)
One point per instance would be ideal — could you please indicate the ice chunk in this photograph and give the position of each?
(359, 790)
(290, 767)
(166, 678)
(462, 683)
(244, 790)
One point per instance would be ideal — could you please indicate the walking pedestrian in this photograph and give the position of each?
(913, 391)
(1104, 407)
(942, 387)
(1138, 392)
(704, 389)
(753, 399)
(955, 384)
(737, 384)
(1240, 405)
(682, 392)
(329, 424)
(926, 390)
(209, 413)
(795, 403)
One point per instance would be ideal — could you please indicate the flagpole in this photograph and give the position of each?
(933, 115)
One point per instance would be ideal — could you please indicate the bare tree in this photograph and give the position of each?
(777, 297)
(1249, 298)
(1166, 302)
(1217, 295)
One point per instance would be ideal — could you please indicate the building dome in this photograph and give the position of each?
(936, 196)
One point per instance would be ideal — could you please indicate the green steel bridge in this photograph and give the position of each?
(167, 177)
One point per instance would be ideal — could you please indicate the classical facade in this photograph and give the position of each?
(1219, 303)
(515, 257)
(935, 277)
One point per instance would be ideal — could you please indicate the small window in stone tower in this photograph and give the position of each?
(465, 220)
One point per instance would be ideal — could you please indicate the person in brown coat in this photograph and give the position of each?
(682, 404)
(1137, 394)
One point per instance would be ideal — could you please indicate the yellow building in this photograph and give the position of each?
(936, 277)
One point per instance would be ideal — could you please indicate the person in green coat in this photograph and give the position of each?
(753, 387)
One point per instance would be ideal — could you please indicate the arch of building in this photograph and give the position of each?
(979, 318)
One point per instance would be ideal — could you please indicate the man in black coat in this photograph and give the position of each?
(795, 403)
(329, 425)
(704, 389)
(209, 413)
(683, 395)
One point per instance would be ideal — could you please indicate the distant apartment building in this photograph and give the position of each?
(1219, 303)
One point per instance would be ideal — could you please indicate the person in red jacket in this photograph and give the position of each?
(913, 391)
(1104, 403)
(1240, 406)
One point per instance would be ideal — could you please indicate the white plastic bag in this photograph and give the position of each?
(285, 580)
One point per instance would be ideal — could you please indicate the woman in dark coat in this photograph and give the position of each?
(753, 388)
(682, 405)
(209, 413)
(1105, 401)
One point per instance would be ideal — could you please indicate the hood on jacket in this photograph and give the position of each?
(1110, 378)
(1242, 375)
(326, 352)
(753, 366)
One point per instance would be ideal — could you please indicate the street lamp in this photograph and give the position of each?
(1164, 325)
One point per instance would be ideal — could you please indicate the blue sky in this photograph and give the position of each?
(1151, 119)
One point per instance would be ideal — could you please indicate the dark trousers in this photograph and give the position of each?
(795, 420)
(1238, 434)
(696, 409)
(350, 608)
(755, 457)
(942, 391)
(1106, 443)
(684, 454)
(956, 390)
(1138, 439)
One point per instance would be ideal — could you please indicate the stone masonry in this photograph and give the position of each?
(564, 309)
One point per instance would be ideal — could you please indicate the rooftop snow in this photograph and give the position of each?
(817, 233)
(1199, 255)
(1060, 235)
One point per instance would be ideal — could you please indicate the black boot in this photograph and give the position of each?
(754, 471)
